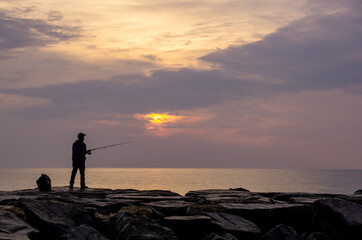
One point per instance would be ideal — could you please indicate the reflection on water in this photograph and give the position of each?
(182, 180)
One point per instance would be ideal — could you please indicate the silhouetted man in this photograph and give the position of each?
(79, 150)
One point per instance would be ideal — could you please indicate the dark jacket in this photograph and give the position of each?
(79, 150)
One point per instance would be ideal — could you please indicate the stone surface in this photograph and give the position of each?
(83, 232)
(127, 226)
(189, 227)
(221, 214)
(170, 207)
(339, 218)
(358, 192)
(218, 195)
(281, 232)
(54, 218)
(214, 236)
(237, 226)
(268, 215)
(11, 227)
(314, 236)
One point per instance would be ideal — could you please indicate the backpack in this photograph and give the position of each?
(44, 183)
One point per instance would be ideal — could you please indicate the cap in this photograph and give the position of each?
(81, 135)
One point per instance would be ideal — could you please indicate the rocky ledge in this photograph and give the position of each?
(163, 215)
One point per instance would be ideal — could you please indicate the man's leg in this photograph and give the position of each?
(82, 174)
(74, 172)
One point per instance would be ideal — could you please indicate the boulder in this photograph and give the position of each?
(171, 207)
(188, 227)
(12, 227)
(314, 236)
(236, 225)
(214, 236)
(127, 226)
(314, 196)
(54, 218)
(267, 216)
(83, 232)
(339, 218)
(281, 232)
(358, 192)
(198, 209)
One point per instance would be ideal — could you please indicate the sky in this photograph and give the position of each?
(211, 84)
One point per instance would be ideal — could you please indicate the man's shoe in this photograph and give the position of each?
(83, 187)
(70, 187)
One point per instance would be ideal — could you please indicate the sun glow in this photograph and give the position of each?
(158, 121)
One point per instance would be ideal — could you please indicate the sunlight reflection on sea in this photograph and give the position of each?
(182, 180)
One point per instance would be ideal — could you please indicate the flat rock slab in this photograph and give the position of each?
(127, 226)
(218, 195)
(314, 196)
(236, 225)
(54, 218)
(143, 198)
(172, 207)
(149, 193)
(11, 227)
(339, 217)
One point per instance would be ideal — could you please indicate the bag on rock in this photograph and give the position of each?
(44, 183)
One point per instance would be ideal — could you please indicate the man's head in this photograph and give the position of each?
(81, 136)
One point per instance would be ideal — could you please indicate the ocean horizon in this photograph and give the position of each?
(182, 180)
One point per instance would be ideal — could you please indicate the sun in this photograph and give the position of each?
(157, 118)
(160, 120)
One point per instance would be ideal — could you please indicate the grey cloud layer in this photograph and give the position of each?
(163, 91)
(19, 32)
(312, 53)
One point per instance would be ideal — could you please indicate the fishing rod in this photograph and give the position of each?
(112, 145)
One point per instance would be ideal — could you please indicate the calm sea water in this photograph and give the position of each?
(182, 180)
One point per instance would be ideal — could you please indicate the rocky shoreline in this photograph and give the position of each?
(219, 214)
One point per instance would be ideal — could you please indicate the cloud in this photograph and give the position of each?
(16, 32)
(131, 94)
(316, 52)
(54, 16)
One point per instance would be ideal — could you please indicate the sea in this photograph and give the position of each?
(182, 180)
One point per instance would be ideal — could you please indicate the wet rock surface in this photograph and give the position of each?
(214, 214)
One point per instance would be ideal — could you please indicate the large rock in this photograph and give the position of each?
(237, 226)
(171, 207)
(267, 216)
(339, 218)
(214, 236)
(54, 218)
(188, 227)
(127, 226)
(314, 236)
(11, 227)
(281, 232)
(83, 232)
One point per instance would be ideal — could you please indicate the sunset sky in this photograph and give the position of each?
(216, 83)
